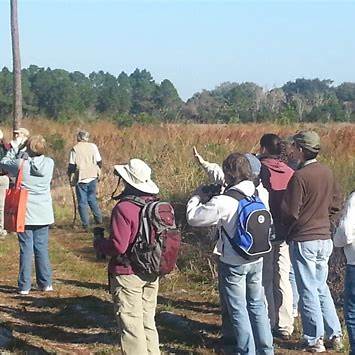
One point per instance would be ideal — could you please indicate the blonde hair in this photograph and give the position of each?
(36, 145)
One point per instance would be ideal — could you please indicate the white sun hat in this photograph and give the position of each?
(137, 174)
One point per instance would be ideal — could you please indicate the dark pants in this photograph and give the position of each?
(86, 195)
(349, 305)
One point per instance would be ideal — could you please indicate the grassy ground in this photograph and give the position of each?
(78, 316)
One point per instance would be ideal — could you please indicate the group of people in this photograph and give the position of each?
(301, 194)
(305, 201)
(25, 154)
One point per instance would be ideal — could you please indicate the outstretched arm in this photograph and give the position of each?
(213, 170)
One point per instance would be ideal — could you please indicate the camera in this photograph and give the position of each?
(99, 232)
(212, 189)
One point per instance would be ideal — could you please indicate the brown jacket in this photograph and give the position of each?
(311, 203)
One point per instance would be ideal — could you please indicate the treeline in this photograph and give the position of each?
(303, 100)
(61, 95)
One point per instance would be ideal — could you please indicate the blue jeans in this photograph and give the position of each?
(349, 305)
(244, 296)
(319, 317)
(295, 295)
(227, 330)
(34, 240)
(86, 195)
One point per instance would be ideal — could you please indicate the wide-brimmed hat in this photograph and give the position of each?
(309, 140)
(137, 174)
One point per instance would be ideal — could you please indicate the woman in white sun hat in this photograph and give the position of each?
(134, 295)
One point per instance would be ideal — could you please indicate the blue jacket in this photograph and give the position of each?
(37, 176)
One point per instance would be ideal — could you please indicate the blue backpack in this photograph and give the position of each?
(251, 239)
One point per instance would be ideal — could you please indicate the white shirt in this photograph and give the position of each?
(216, 176)
(345, 233)
(213, 171)
(72, 160)
(221, 211)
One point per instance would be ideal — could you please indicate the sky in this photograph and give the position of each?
(195, 44)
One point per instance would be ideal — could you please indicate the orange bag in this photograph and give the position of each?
(15, 205)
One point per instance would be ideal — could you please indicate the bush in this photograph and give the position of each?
(124, 120)
(56, 142)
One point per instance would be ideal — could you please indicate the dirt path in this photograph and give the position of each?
(78, 317)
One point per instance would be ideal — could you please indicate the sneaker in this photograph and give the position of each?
(281, 335)
(23, 292)
(47, 289)
(336, 343)
(318, 347)
(3, 234)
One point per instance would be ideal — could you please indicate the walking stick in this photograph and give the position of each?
(74, 202)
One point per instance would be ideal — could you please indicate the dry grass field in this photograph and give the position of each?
(77, 317)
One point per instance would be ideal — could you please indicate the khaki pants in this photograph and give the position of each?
(4, 184)
(278, 291)
(135, 301)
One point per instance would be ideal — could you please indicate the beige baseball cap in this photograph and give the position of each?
(23, 131)
(309, 140)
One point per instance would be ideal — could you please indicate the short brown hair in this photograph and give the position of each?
(36, 145)
(236, 168)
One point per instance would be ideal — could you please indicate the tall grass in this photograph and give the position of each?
(168, 150)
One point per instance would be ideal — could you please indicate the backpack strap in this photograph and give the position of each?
(134, 199)
(238, 194)
(144, 223)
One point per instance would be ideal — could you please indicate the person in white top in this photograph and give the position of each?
(345, 237)
(83, 171)
(241, 280)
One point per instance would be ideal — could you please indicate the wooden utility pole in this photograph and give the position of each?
(16, 61)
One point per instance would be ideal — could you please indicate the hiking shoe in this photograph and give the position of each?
(336, 343)
(23, 292)
(3, 234)
(47, 289)
(318, 347)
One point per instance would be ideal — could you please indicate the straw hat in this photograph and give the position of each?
(137, 174)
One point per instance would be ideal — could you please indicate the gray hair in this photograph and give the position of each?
(82, 136)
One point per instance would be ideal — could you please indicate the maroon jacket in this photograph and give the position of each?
(275, 175)
(125, 218)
